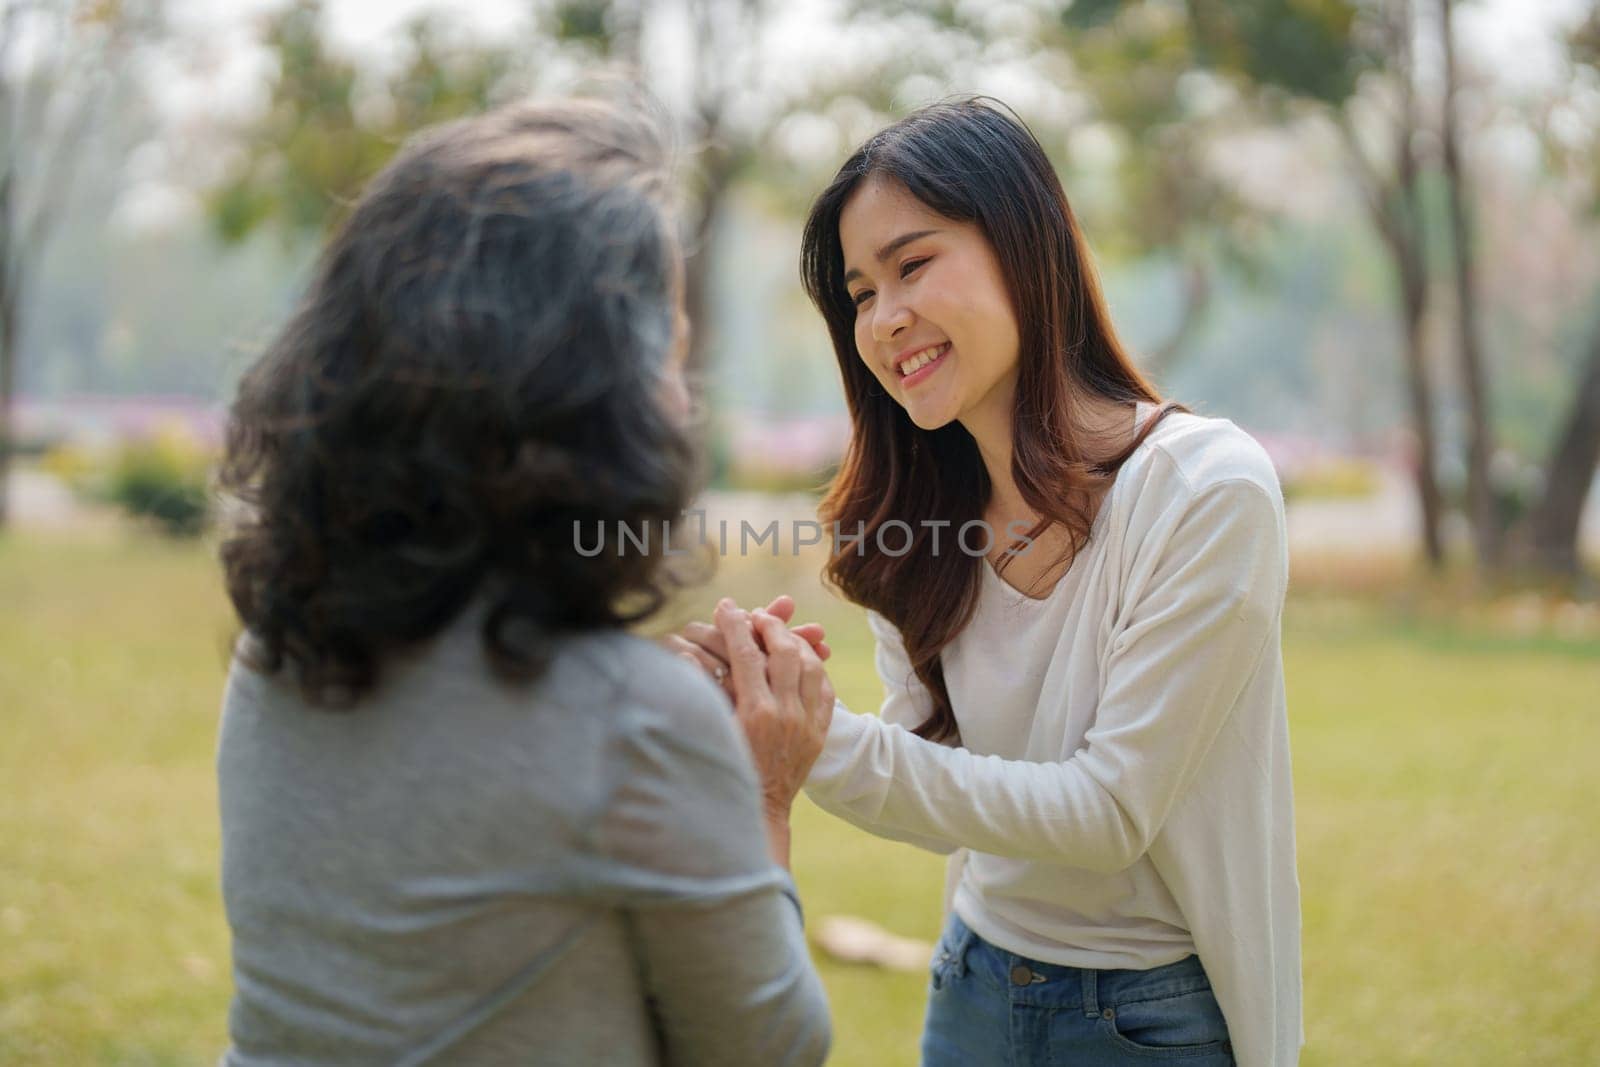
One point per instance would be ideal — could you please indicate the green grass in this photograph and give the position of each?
(1445, 781)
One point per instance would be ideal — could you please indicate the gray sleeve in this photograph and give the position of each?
(716, 923)
(733, 983)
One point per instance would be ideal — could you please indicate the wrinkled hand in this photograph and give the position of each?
(782, 699)
(702, 644)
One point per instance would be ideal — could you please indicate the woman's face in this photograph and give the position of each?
(929, 298)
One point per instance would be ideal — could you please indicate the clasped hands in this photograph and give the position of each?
(781, 694)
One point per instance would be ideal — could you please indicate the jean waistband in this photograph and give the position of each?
(1063, 985)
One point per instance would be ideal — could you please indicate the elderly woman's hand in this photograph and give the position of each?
(702, 644)
(782, 698)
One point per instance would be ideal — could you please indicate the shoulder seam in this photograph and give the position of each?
(1161, 448)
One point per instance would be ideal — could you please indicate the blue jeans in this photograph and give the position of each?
(989, 1006)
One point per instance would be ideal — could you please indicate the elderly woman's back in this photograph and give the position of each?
(466, 871)
(466, 817)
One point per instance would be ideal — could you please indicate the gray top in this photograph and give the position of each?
(465, 871)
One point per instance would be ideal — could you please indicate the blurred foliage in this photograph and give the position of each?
(1170, 82)
(1340, 479)
(588, 22)
(74, 466)
(164, 478)
(1583, 49)
(326, 130)
(1306, 48)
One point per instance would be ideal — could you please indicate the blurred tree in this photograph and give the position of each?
(1486, 532)
(722, 44)
(1324, 53)
(58, 61)
(1549, 540)
(1355, 61)
(1136, 63)
(308, 155)
(325, 131)
(1393, 192)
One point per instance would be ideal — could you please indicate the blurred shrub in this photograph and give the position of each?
(73, 466)
(1333, 480)
(164, 478)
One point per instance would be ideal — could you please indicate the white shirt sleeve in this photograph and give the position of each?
(1178, 663)
(906, 705)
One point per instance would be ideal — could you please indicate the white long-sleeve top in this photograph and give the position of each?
(1120, 796)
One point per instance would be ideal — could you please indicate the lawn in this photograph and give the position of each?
(1446, 801)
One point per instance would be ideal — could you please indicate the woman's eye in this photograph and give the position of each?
(911, 266)
(861, 297)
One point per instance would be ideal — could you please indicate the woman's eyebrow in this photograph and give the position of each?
(888, 250)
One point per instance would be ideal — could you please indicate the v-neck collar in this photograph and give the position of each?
(1142, 411)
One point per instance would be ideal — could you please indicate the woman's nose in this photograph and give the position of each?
(889, 317)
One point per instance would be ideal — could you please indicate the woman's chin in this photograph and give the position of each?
(930, 406)
(929, 418)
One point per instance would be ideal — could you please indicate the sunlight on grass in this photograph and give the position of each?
(1445, 788)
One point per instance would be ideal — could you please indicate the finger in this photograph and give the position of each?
(811, 675)
(782, 606)
(811, 632)
(715, 666)
(745, 659)
(783, 653)
(707, 637)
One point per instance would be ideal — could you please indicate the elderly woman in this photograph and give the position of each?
(466, 817)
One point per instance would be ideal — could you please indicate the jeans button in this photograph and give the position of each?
(1021, 974)
(1109, 1013)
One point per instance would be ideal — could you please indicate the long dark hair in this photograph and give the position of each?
(969, 161)
(475, 367)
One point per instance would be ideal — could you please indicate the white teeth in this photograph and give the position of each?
(916, 363)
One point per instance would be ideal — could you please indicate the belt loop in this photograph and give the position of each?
(1091, 994)
(963, 943)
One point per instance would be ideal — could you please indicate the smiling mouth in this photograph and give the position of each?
(923, 359)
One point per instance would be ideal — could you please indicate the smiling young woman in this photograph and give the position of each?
(1089, 719)
(949, 235)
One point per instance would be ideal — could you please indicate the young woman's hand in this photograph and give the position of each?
(782, 698)
(702, 643)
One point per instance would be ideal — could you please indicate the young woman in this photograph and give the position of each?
(466, 818)
(1089, 718)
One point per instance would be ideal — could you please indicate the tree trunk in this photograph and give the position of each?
(1394, 203)
(8, 363)
(1553, 525)
(1411, 273)
(10, 302)
(1410, 249)
(1474, 378)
